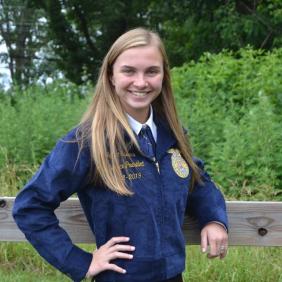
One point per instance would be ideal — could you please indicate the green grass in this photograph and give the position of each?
(23, 276)
(242, 264)
(19, 262)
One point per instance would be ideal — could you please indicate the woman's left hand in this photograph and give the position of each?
(214, 236)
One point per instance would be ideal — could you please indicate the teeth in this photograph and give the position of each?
(139, 94)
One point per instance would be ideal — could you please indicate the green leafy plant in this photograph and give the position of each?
(231, 105)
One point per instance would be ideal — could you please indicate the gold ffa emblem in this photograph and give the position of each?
(178, 163)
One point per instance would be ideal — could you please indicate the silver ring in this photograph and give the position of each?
(222, 249)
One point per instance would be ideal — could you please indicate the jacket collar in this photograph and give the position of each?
(136, 126)
(165, 137)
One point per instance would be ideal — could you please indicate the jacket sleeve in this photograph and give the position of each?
(63, 173)
(205, 202)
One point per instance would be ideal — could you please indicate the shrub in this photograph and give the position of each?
(33, 120)
(231, 104)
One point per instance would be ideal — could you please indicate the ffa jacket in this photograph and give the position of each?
(152, 217)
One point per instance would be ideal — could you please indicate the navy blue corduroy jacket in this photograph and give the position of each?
(152, 217)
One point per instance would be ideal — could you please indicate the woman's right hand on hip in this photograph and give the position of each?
(111, 250)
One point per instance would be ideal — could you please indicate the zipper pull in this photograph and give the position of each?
(157, 165)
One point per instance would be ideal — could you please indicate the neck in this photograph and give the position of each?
(141, 116)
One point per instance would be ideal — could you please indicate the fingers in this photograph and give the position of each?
(214, 249)
(120, 255)
(223, 246)
(116, 268)
(125, 248)
(204, 242)
(214, 237)
(218, 248)
(117, 250)
(113, 249)
(223, 250)
(115, 240)
(212, 253)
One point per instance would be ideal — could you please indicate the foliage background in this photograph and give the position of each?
(51, 38)
(226, 59)
(230, 102)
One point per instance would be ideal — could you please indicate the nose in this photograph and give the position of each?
(140, 81)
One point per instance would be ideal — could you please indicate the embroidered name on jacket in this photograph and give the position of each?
(133, 176)
(128, 164)
(179, 165)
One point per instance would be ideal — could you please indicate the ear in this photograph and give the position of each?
(112, 80)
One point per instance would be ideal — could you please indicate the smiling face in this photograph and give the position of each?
(137, 78)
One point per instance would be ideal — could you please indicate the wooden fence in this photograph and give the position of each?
(250, 223)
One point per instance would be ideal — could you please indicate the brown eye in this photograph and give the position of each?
(153, 71)
(127, 70)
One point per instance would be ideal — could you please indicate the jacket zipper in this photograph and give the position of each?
(157, 165)
(161, 213)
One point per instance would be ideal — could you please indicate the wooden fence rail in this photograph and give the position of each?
(251, 223)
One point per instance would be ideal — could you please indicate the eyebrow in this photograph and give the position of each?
(131, 67)
(127, 67)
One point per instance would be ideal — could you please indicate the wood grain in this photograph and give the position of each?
(250, 223)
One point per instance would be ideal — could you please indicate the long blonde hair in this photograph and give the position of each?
(105, 124)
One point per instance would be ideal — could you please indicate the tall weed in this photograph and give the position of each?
(32, 121)
(231, 104)
(247, 162)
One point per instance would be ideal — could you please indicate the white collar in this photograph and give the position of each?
(136, 126)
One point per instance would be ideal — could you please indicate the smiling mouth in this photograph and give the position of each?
(139, 94)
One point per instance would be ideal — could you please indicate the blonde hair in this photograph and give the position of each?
(105, 124)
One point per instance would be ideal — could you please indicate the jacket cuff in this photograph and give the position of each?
(77, 262)
(214, 215)
(221, 224)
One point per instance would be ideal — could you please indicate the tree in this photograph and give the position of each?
(23, 32)
(191, 28)
(83, 30)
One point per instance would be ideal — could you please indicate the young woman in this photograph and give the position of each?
(131, 166)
